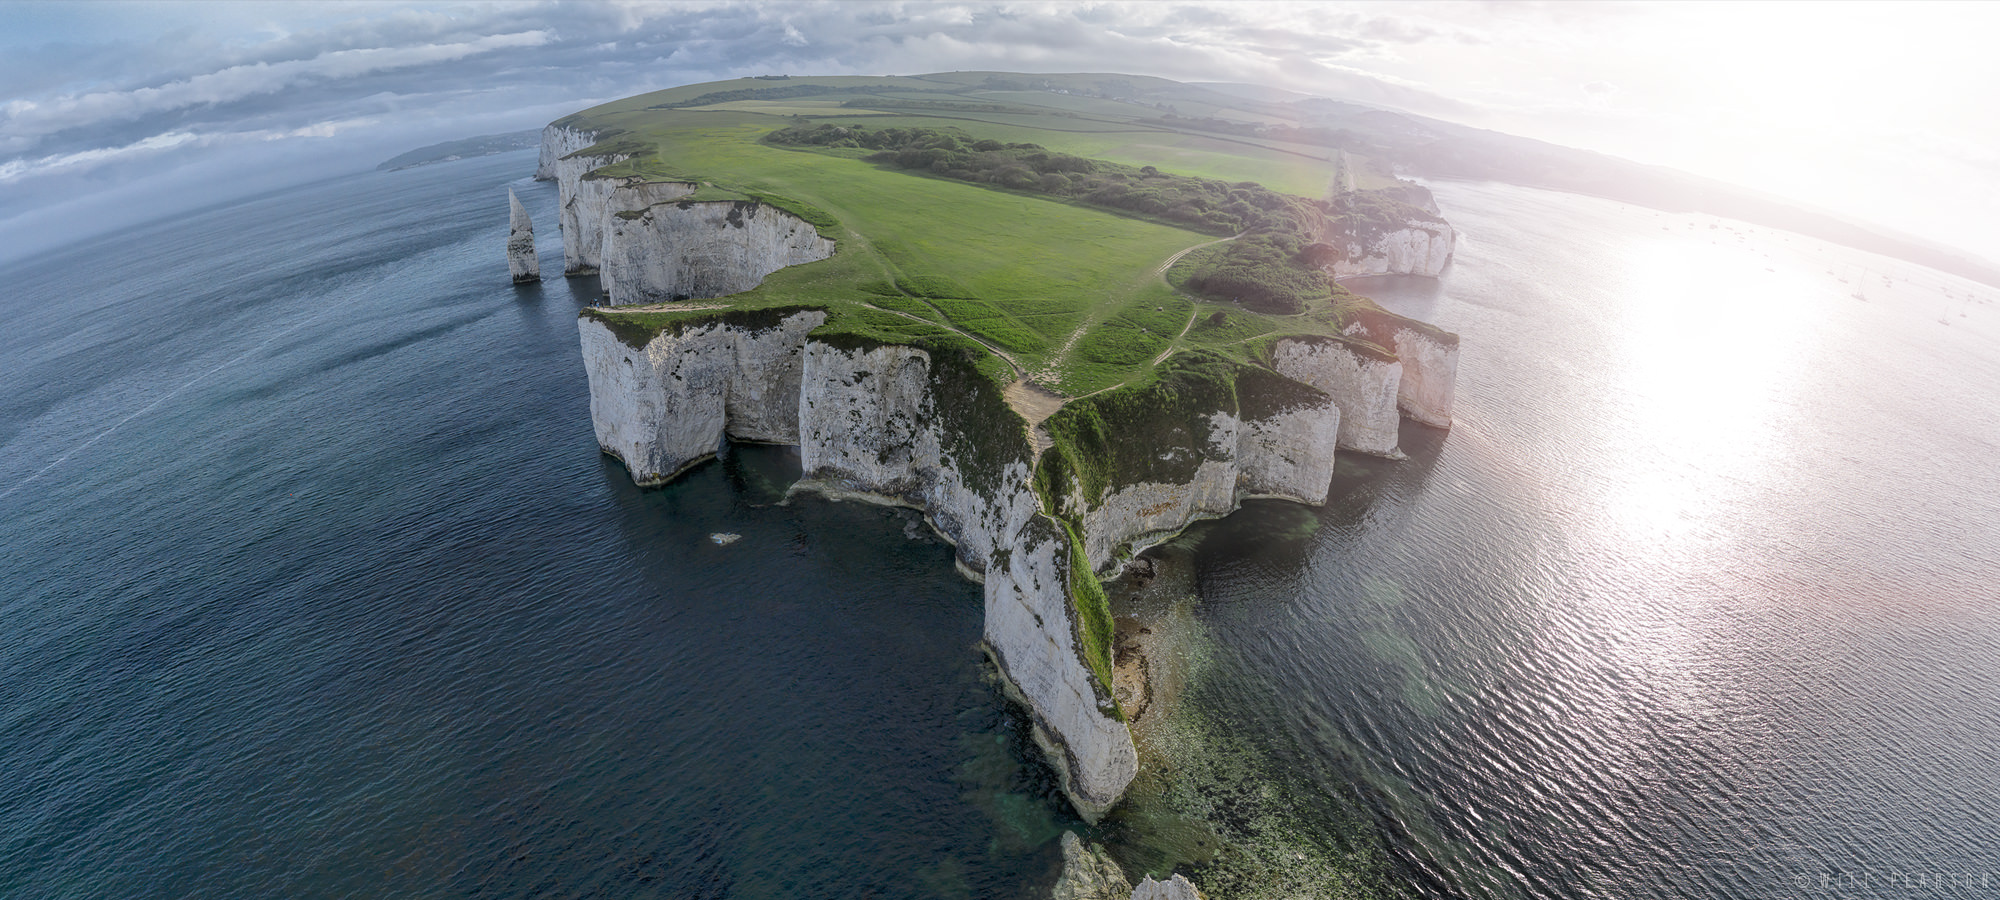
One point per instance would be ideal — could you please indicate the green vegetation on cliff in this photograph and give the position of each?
(1018, 226)
(1027, 214)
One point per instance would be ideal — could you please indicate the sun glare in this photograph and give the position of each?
(1712, 346)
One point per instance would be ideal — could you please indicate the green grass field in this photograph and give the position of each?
(1079, 299)
(1067, 295)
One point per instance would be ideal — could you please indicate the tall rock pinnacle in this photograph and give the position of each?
(521, 242)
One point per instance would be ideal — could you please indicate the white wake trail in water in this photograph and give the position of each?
(155, 404)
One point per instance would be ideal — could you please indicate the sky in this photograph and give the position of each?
(113, 113)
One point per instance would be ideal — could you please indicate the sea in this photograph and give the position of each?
(315, 584)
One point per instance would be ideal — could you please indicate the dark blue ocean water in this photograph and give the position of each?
(315, 585)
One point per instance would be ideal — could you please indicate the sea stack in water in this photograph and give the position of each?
(521, 242)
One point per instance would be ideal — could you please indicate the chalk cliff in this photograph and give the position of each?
(1418, 248)
(521, 261)
(1137, 467)
(558, 141)
(649, 243)
(1362, 380)
(581, 202)
(668, 249)
(1430, 363)
(1175, 888)
(1394, 230)
(916, 422)
(668, 404)
(890, 421)
(1430, 376)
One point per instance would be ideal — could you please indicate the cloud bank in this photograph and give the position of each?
(178, 105)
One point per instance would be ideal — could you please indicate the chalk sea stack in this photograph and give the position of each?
(521, 242)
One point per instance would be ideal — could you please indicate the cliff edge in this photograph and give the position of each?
(895, 389)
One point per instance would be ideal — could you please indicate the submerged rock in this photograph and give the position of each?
(521, 259)
(1089, 873)
(1175, 888)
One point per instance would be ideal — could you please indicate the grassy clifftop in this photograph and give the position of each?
(1061, 289)
(1060, 229)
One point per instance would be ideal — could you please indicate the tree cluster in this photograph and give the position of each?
(1275, 266)
(1272, 272)
(1202, 204)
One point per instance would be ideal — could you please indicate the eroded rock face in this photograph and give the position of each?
(1418, 248)
(581, 202)
(649, 244)
(1430, 377)
(1290, 454)
(1033, 638)
(659, 251)
(867, 420)
(521, 261)
(1430, 363)
(668, 405)
(1175, 888)
(557, 142)
(1135, 515)
(1363, 384)
(1089, 873)
(581, 209)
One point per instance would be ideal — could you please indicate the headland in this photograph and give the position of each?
(1024, 304)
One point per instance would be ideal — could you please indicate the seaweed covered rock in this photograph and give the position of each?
(1089, 873)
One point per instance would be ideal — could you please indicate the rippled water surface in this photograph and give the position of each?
(1697, 599)
(316, 586)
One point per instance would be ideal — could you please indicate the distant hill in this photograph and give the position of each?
(1436, 148)
(464, 148)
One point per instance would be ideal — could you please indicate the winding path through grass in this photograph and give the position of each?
(1030, 397)
(1051, 371)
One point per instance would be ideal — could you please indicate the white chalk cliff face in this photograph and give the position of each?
(557, 142)
(1175, 888)
(581, 202)
(867, 420)
(676, 250)
(893, 421)
(650, 245)
(1362, 384)
(521, 261)
(1289, 455)
(1430, 367)
(668, 405)
(1418, 248)
(1032, 634)
(1430, 377)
